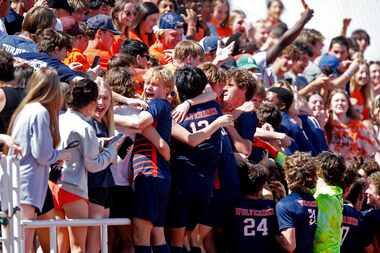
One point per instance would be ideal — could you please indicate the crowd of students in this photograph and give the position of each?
(211, 133)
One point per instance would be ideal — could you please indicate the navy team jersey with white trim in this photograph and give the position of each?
(299, 211)
(253, 226)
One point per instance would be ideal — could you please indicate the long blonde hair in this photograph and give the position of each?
(108, 117)
(365, 90)
(43, 87)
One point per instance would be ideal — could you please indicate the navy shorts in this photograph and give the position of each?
(219, 210)
(100, 196)
(151, 199)
(121, 205)
(48, 204)
(189, 203)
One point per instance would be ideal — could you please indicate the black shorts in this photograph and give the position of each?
(151, 199)
(48, 204)
(100, 196)
(121, 202)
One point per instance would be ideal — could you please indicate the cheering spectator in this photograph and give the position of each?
(220, 18)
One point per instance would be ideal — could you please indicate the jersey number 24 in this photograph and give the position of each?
(250, 228)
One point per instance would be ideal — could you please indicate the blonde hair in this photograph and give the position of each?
(43, 87)
(108, 117)
(162, 74)
(366, 90)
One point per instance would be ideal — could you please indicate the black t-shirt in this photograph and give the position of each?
(13, 96)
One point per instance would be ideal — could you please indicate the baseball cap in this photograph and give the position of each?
(102, 22)
(60, 4)
(329, 61)
(246, 61)
(209, 43)
(170, 20)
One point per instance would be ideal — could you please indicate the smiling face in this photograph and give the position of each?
(339, 51)
(155, 88)
(275, 10)
(373, 197)
(316, 103)
(339, 104)
(166, 6)
(374, 71)
(128, 15)
(233, 96)
(239, 25)
(147, 25)
(103, 102)
(220, 11)
(361, 77)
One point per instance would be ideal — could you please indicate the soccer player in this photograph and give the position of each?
(329, 196)
(193, 166)
(373, 216)
(297, 213)
(253, 222)
(151, 171)
(357, 236)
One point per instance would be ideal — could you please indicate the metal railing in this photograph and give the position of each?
(12, 227)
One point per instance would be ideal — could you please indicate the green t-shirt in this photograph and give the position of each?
(330, 217)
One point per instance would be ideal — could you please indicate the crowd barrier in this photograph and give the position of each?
(12, 226)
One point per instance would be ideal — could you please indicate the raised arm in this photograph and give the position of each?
(143, 120)
(274, 51)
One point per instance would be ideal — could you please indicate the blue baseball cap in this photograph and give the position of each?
(209, 43)
(103, 22)
(171, 20)
(330, 61)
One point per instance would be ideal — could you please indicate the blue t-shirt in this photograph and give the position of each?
(299, 211)
(253, 226)
(301, 142)
(246, 125)
(146, 159)
(314, 133)
(13, 22)
(16, 45)
(356, 233)
(39, 60)
(203, 159)
(104, 177)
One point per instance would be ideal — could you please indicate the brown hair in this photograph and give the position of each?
(188, 48)
(214, 74)
(311, 36)
(300, 172)
(244, 80)
(366, 90)
(224, 23)
(43, 87)
(331, 168)
(292, 52)
(37, 19)
(49, 39)
(120, 80)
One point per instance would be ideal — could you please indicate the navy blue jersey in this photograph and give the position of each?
(146, 159)
(301, 142)
(227, 169)
(246, 125)
(356, 232)
(314, 133)
(204, 158)
(299, 211)
(253, 226)
(373, 220)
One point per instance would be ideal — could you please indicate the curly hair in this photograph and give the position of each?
(375, 179)
(82, 93)
(369, 167)
(6, 66)
(300, 172)
(331, 168)
(252, 177)
(268, 113)
(214, 74)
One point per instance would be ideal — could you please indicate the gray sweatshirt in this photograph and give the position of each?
(32, 131)
(88, 156)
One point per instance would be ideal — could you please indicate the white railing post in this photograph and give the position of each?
(104, 238)
(53, 239)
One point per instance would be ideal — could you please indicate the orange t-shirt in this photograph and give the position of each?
(143, 38)
(105, 56)
(158, 53)
(117, 41)
(351, 140)
(75, 55)
(222, 31)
